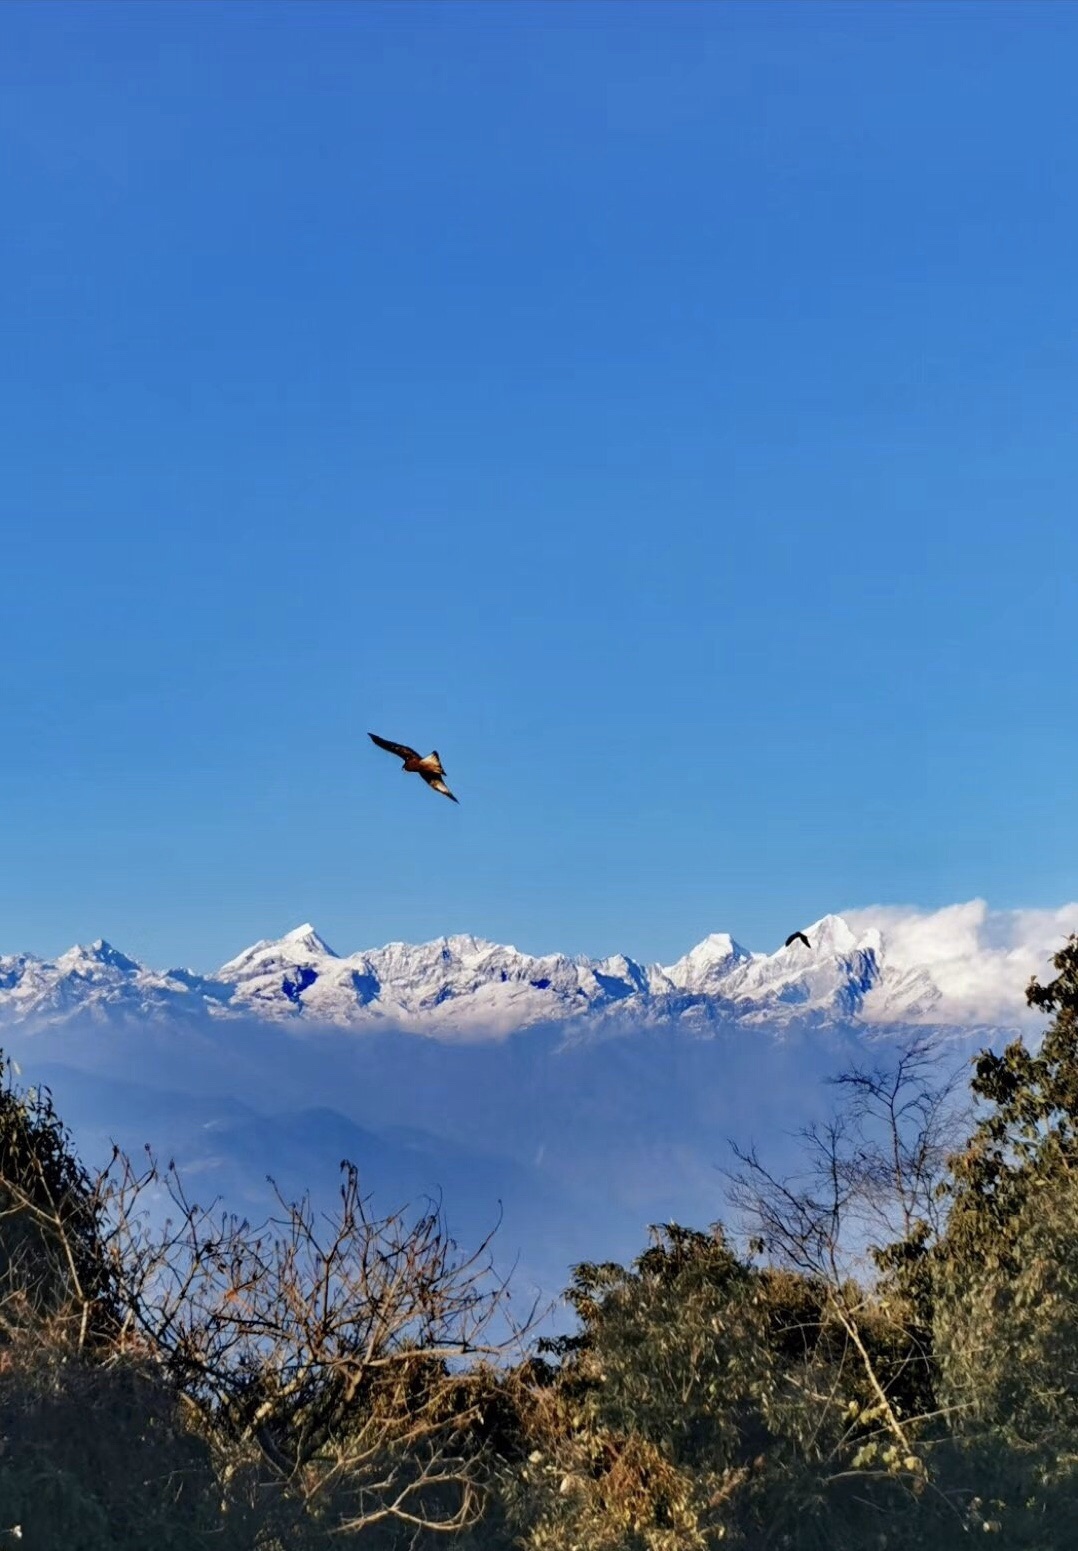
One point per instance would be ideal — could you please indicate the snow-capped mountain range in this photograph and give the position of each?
(964, 966)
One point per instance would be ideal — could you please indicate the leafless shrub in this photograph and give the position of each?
(318, 1350)
(869, 1195)
(329, 1359)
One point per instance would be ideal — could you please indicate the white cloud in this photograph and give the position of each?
(980, 960)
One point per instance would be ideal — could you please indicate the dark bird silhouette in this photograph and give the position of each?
(428, 766)
(797, 937)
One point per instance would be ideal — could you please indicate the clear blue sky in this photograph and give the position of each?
(665, 411)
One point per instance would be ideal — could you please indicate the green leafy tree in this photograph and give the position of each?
(55, 1263)
(1006, 1276)
(659, 1408)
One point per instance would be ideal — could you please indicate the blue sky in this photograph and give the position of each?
(667, 412)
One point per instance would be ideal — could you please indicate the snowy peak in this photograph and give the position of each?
(97, 980)
(97, 959)
(274, 976)
(833, 936)
(963, 966)
(307, 938)
(707, 964)
(834, 976)
(293, 948)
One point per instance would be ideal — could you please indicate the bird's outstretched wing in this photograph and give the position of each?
(438, 785)
(797, 937)
(400, 749)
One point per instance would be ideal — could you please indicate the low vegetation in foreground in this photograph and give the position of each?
(883, 1353)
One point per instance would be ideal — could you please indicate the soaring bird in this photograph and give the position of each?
(797, 937)
(429, 767)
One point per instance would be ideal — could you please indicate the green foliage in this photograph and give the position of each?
(1028, 1137)
(710, 1402)
(1006, 1276)
(95, 1458)
(53, 1260)
(664, 1396)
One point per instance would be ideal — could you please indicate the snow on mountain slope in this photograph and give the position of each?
(705, 967)
(97, 980)
(962, 966)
